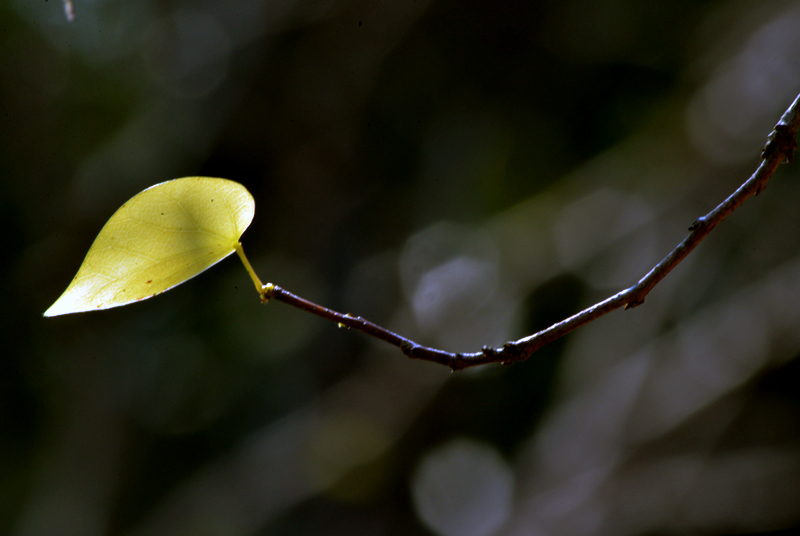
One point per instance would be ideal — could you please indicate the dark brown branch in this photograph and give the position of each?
(780, 147)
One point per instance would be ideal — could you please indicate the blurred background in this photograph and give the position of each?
(462, 172)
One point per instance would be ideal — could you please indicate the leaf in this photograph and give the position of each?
(160, 238)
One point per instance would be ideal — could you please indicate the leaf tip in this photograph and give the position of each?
(60, 307)
(53, 311)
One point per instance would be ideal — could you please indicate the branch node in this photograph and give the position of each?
(633, 303)
(267, 292)
(780, 141)
(514, 352)
(488, 351)
(407, 347)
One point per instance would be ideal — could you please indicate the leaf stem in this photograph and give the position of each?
(260, 287)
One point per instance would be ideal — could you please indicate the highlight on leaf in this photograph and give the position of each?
(160, 238)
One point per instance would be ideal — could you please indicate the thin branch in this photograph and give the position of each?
(780, 148)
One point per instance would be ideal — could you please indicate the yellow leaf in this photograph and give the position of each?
(160, 238)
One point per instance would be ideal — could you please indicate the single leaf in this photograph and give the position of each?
(160, 238)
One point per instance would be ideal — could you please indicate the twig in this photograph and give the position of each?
(780, 147)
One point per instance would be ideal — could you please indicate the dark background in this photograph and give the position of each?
(464, 173)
